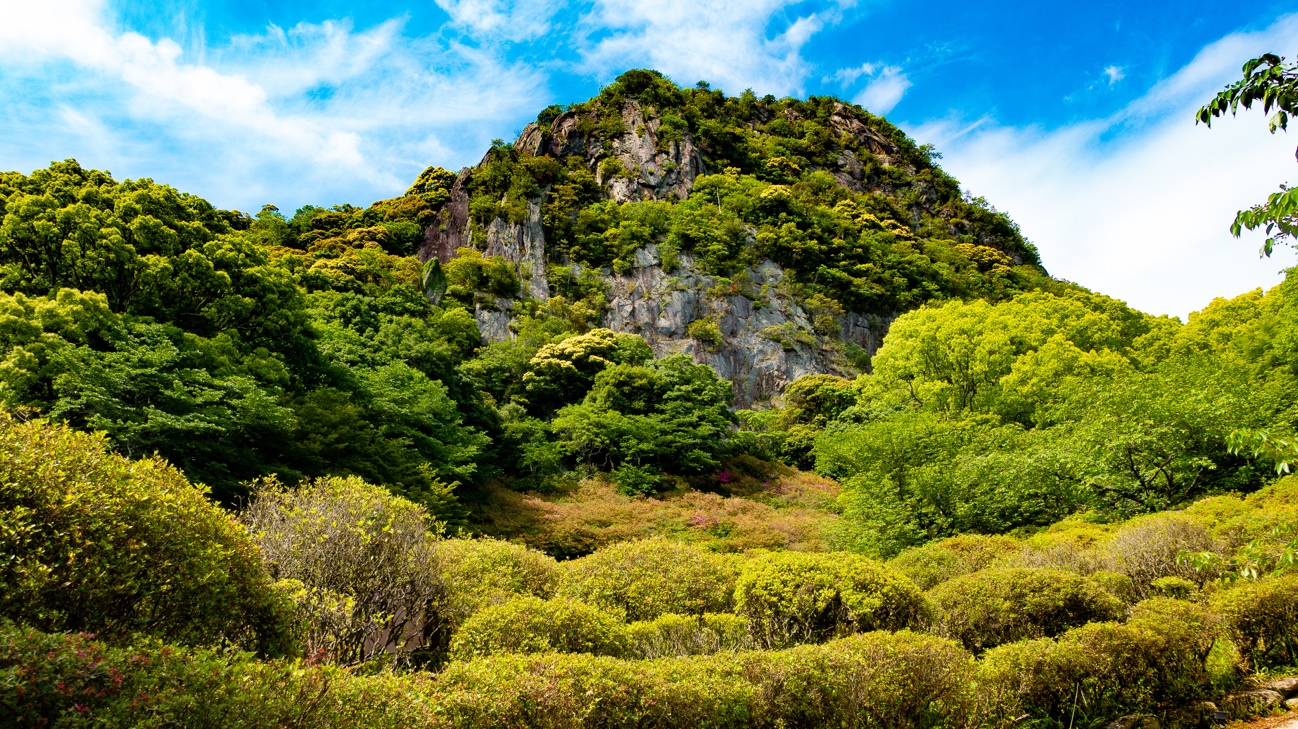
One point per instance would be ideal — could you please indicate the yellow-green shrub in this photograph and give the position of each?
(533, 625)
(91, 541)
(641, 580)
(689, 635)
(876, 679)
(1116, 584)
(1154, 663)
(800, 597)
(997, 606)
(73, 680)
(932, 564)
(482, 572)
(1149, 547)
(1263, 616)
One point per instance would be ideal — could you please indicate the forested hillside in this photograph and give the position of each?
(681, 410)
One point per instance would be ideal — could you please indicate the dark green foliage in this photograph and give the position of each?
(997, 606)
(94, 542)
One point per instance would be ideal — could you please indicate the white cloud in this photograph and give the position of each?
(884, 90)
(317, 112)
(1138, 205)
(516, 21)
(721, 41)
(1114, 74)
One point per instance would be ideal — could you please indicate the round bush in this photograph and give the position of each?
(878, 679)
(644, 579)
(689, 635)
(1263, 616)
(532, 625)
(482, 572)
(94, 542)
(1148, 548)
(1096, 672)
(996, 606)
(935, 563)
(803, 597)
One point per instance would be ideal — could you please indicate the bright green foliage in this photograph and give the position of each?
(689, 635)
(469, 272)
(94, 542)
(532, 625)
(359, 563)
(1155, 663)
(802, 597)
(997, 606)
(563, 372)
(1273, 84)
(987, 417)
(932, 564)
(482, 572)
(642, 580)
(1263, 616)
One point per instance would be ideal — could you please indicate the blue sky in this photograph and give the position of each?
(1072, 117)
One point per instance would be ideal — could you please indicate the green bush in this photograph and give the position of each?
(641, 580)
(997, 606)
(932, 564)
(689, 635)
(876, 679)
(1116, 584)
(360, 564)
(73, 680)
(533, 625)
(1177, 587)
(802, 597)
(1263, 616)
(483, 572)
(900, 680)
(94, 542)
(1149, 547)
(1153, 664)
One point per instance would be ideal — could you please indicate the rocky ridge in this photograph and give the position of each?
(756, 334)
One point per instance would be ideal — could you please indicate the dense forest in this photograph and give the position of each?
(271, 470)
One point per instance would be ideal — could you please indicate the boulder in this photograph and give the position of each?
(1286, 687)
(1258, 702)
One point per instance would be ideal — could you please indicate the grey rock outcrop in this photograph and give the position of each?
(752, 331)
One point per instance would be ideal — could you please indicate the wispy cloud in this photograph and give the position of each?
(516, 20)
(1137, 204)
(727, 43)
(1114, 74)
(345, 114)
(884, 90)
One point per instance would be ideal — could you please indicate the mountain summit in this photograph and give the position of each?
(769, 238)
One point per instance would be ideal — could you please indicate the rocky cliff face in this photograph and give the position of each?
(749, 327)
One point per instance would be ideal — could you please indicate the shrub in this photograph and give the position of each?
(1153, 664)
(1116, 584)
(932, 564)
(359, 562)
(94, 542)
(561, 691)
(876, 679)
(997, 606)
(73, 680)
(689, 635)
(1148, 548)
(533, 625)
(793, 597)
(644, 579)
(1177, 587)
(483, 572)
(1263, 616)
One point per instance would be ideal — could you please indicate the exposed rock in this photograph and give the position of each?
(1291, 704)
(1287, 687)
(758, 336)
(1133, 721)
(1252, 703)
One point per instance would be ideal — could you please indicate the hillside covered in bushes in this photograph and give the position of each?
(680, 410)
